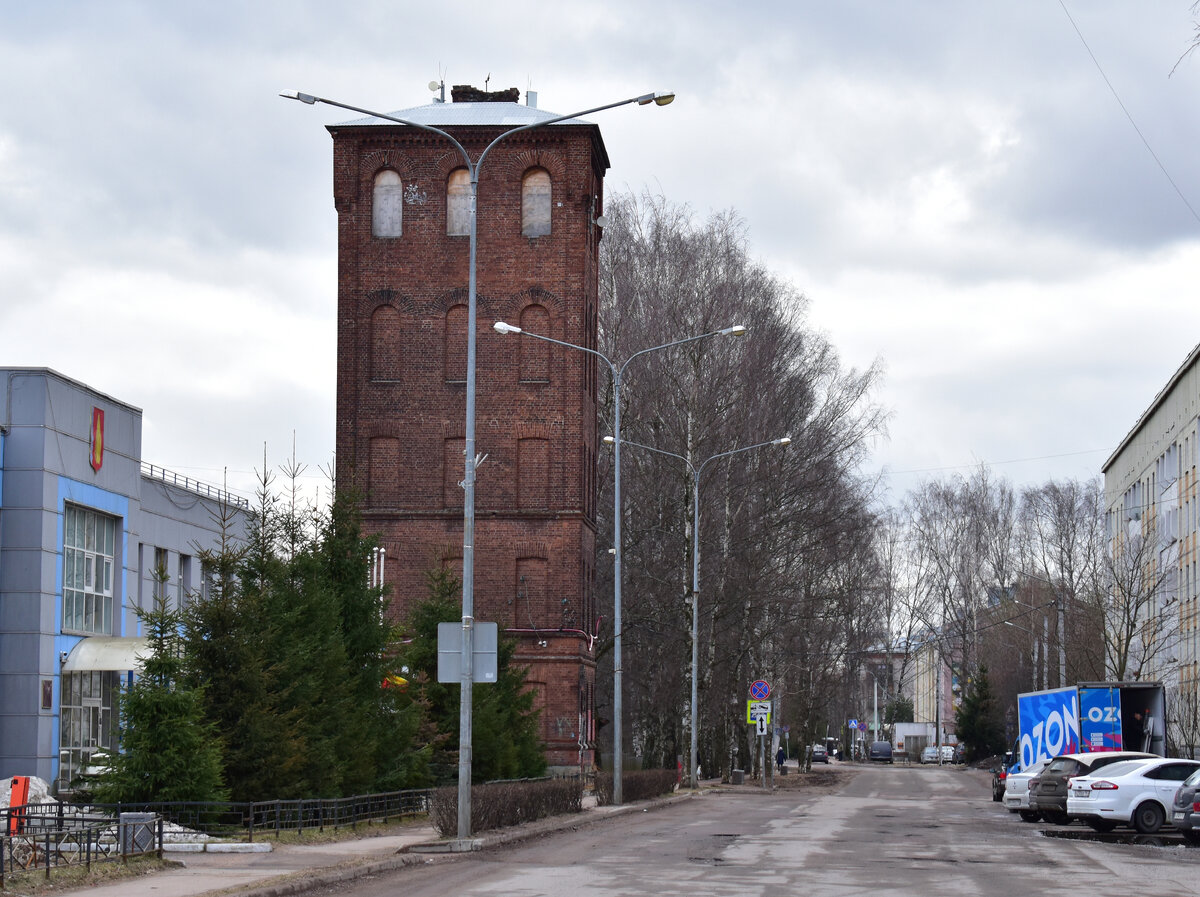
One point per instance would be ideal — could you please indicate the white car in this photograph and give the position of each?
(929, 754)
(1133, 792)
(1016, 791)
(947, 753)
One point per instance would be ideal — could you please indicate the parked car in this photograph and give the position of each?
(947, 753)
(1016, 791)
(1185, 815)
(819, 753)
(1048, 791)
(929, 754)
(881, 751)
(1133, 792)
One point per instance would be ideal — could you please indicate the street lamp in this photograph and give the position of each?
(617, 374)
(468, 600)
(696, 472)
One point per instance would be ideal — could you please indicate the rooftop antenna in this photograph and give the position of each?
(435, 86)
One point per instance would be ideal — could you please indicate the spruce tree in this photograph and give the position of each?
(977, 722)
(505, 741)
(169, 751)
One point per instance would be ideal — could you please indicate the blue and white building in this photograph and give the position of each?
(85, 524)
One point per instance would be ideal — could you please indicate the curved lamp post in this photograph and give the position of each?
(697, 470)
(617, 374)
(468, 601)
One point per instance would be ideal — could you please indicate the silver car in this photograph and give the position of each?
(1016, 791)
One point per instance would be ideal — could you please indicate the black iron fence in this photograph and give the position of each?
(41, 837)
(244, 819)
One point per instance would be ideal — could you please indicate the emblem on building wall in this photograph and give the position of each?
(97, 438)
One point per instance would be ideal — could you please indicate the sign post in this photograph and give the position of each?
(759, 708)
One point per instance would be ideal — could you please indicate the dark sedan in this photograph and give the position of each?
(1185, 815)
(1048, 792)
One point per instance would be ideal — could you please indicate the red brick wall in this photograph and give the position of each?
(401, 399)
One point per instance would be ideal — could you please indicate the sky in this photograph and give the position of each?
(999, 202)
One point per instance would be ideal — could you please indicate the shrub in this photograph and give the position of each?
(640, 784)
(502, 804)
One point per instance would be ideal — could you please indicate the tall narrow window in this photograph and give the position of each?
(458, 203)
(387, 207)
(535, 203)
(89, 549)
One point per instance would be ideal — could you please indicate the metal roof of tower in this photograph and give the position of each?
(509, 115)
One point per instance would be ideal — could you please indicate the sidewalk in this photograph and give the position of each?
(252, 871)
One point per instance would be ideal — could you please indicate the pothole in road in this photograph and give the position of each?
(707, 851)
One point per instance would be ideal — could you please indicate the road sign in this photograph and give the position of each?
(756, 710)
(762, 726)
(760, 690)
(852, 724)
(483, 657)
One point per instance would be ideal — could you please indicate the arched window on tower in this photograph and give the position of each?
(535, 203)
(387, 206)
(458, 203)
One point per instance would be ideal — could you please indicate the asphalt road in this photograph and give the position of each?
(922, 831)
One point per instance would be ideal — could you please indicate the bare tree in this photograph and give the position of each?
(1062, 527)
(1136, 602)
(781, 532)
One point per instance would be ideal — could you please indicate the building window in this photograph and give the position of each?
(535, 203)
(387, 208)
(458, 203)
(160, 575)
(88, 721)
(89, 542)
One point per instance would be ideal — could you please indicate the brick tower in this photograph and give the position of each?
(402, 198)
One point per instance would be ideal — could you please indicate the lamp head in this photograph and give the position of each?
(784, 440)
(501, 327)
(658, 98)
(297, 95)
(609, 440)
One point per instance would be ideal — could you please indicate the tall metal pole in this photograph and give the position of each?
(694, 755)
(697, 471)
(468, 484)
(618, 795)
(617, 375)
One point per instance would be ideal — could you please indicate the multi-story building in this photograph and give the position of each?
(935, 688)
(1151, 495)
(86, 531)
(403, 202)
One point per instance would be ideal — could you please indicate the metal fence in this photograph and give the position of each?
(41, 837)
(245, 819)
